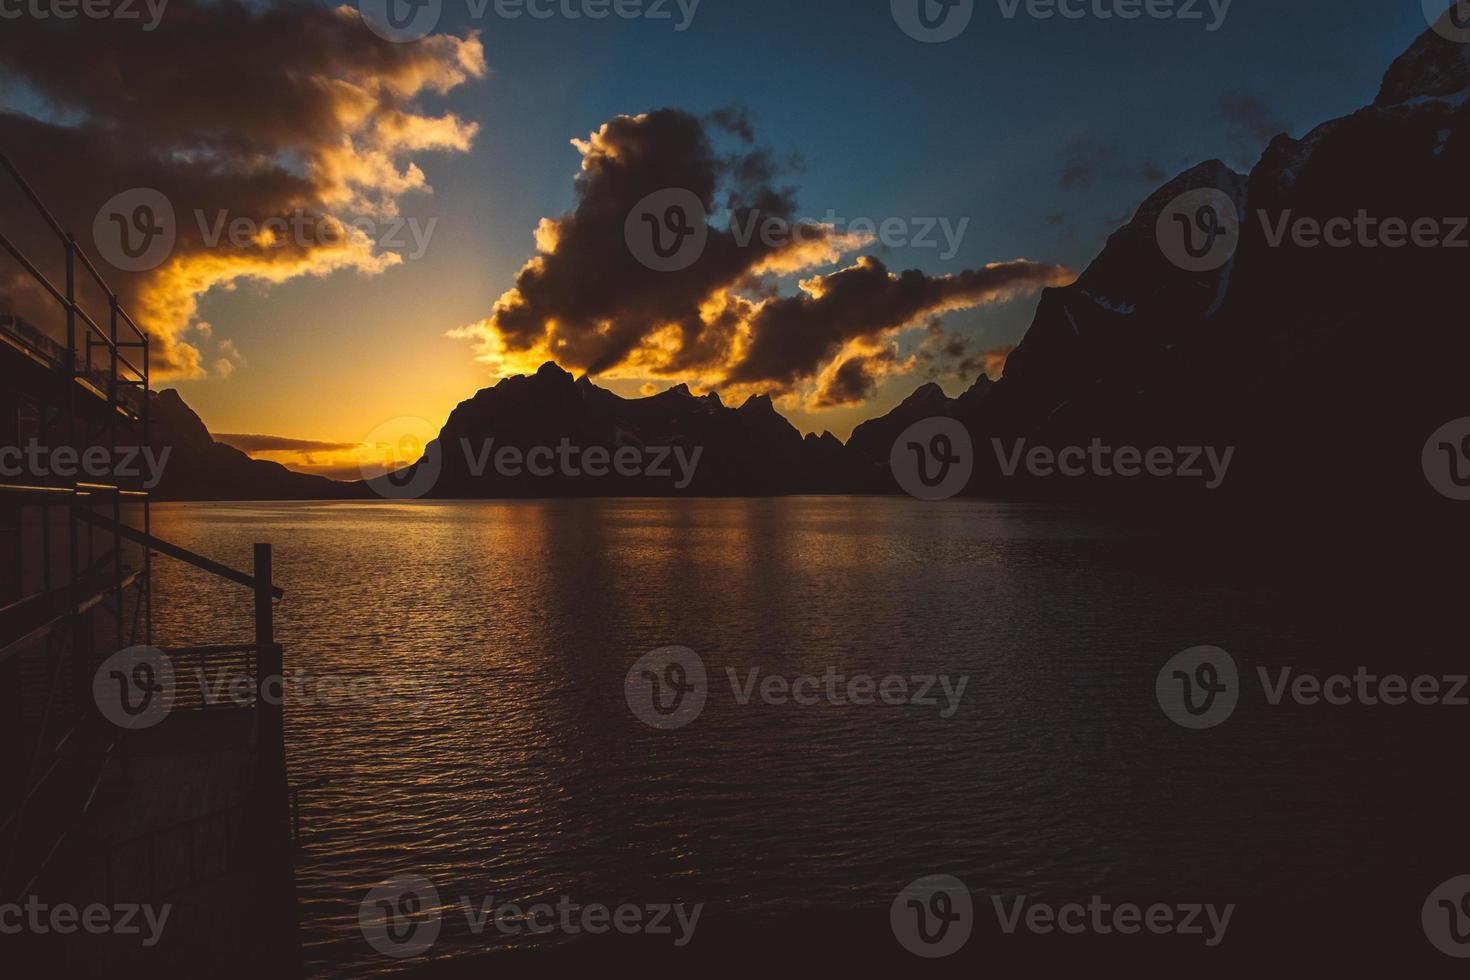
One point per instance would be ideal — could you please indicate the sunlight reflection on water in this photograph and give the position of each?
(489, 746)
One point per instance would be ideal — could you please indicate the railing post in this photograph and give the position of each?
(73, 587)
(275, 876)
(265, 625)
(147, 505)
(268, 664)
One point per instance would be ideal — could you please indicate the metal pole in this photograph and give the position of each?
(265, 629)
(147, 502)
(71, 371)
(113, 405)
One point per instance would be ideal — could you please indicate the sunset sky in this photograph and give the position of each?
(1037, 137)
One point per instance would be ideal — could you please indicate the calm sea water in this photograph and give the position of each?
(514, 768)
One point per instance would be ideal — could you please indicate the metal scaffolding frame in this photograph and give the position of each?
(78, 608)
(79, 405)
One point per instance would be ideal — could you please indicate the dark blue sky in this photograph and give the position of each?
(980, 128)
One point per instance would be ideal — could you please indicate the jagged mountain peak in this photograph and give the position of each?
(1214, 174)
(976, 391)
(928, 395)
(1433, 66)
(554, 371)
(183, 423)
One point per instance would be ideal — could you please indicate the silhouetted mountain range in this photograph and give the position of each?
(199, 468)
(1326, 367)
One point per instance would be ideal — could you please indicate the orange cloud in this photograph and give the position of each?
(586, 301)
(291, 110)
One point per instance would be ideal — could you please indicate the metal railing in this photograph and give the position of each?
(74, 255)
(259, 659)
(65, 776)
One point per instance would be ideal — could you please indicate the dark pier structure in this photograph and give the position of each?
(185, 807)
